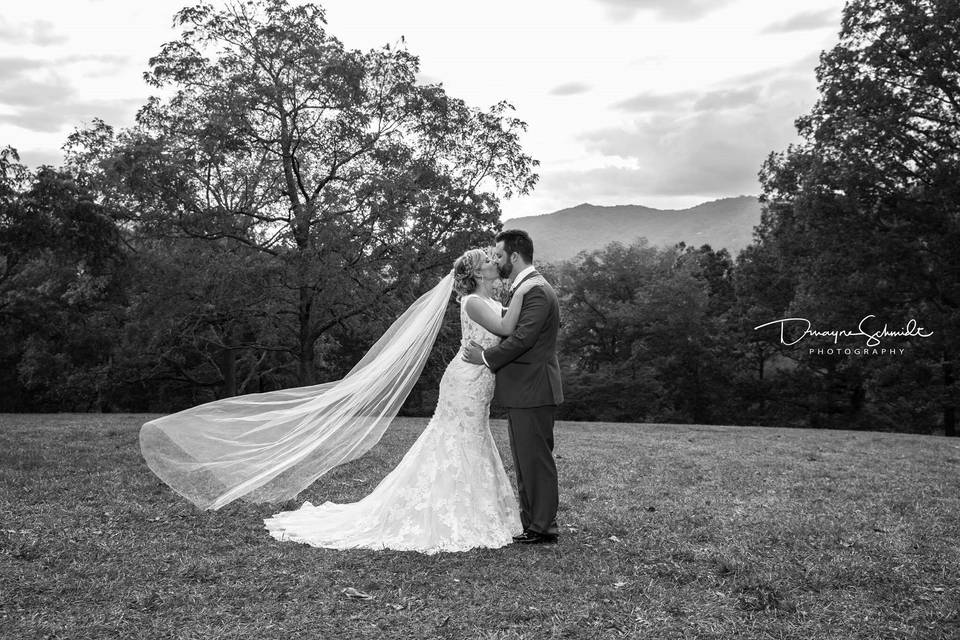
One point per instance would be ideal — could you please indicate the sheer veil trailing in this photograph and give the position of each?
(267, 447)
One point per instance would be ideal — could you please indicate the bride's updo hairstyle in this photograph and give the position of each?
(466, 271)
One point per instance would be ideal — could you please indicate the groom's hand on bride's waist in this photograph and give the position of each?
(473, 353)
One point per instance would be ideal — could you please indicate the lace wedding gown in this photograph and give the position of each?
(449, 492)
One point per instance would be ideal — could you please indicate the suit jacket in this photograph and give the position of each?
(528, 372)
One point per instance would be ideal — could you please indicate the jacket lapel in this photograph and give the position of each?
(512, 289)
(532, 274)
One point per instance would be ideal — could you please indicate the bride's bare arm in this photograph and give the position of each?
(484, 315)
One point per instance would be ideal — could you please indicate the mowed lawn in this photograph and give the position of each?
(668, 531)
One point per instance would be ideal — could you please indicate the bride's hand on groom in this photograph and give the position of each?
(524, 287)
(473, 353)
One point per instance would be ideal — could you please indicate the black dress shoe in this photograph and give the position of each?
(532, 537)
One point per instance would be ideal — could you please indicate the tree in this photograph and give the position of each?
(62, 272)
(641, 338)
(867, 210)
(201, 323)
(356, 183)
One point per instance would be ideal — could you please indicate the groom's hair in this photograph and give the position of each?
(517, 241)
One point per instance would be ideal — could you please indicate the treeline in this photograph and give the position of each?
(260, 228)
(256, 229)
(862, 218)
(668, 335)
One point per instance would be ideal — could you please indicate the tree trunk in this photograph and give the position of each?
(306, 371)
(228, 365)
(949, 408)
(300, 226)
(761, 360)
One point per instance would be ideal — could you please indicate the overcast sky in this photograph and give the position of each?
(665, 103)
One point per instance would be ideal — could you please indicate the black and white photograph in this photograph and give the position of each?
(591, 319)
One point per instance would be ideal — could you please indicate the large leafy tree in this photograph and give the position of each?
(200, 324)
(61, 291)
(867, 212)
(358, 184)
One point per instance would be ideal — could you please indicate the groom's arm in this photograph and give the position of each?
(533, 315)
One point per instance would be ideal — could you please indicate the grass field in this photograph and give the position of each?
(668, 531)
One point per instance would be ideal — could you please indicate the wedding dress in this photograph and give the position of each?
(450, 491)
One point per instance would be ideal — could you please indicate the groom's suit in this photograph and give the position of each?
(528, 385)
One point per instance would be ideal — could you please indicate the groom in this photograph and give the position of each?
(528, 385)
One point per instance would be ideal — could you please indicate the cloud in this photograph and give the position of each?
(37, 157)
(13, 66)
(604, 183)
(569, 89)
(39, 32)
(739, 90)
(679, 155)
(96, 65)
(89, 65)
(679, 10)
(727, 98)
(806, 21)
(52, 118)
(21, 91)
(698, 101)
(699, 143)
(647, 102)
(38, 95)
(424, 79)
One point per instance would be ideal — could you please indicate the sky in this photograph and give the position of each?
(664, 103)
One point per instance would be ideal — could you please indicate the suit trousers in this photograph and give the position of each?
(531, 441)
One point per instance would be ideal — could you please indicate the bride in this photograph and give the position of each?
(449, 492)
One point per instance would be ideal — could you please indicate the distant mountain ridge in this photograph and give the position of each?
(724, 223)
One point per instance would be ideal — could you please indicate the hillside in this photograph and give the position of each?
(667, 531)
(727, 222)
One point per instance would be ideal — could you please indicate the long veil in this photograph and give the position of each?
(267, 447)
